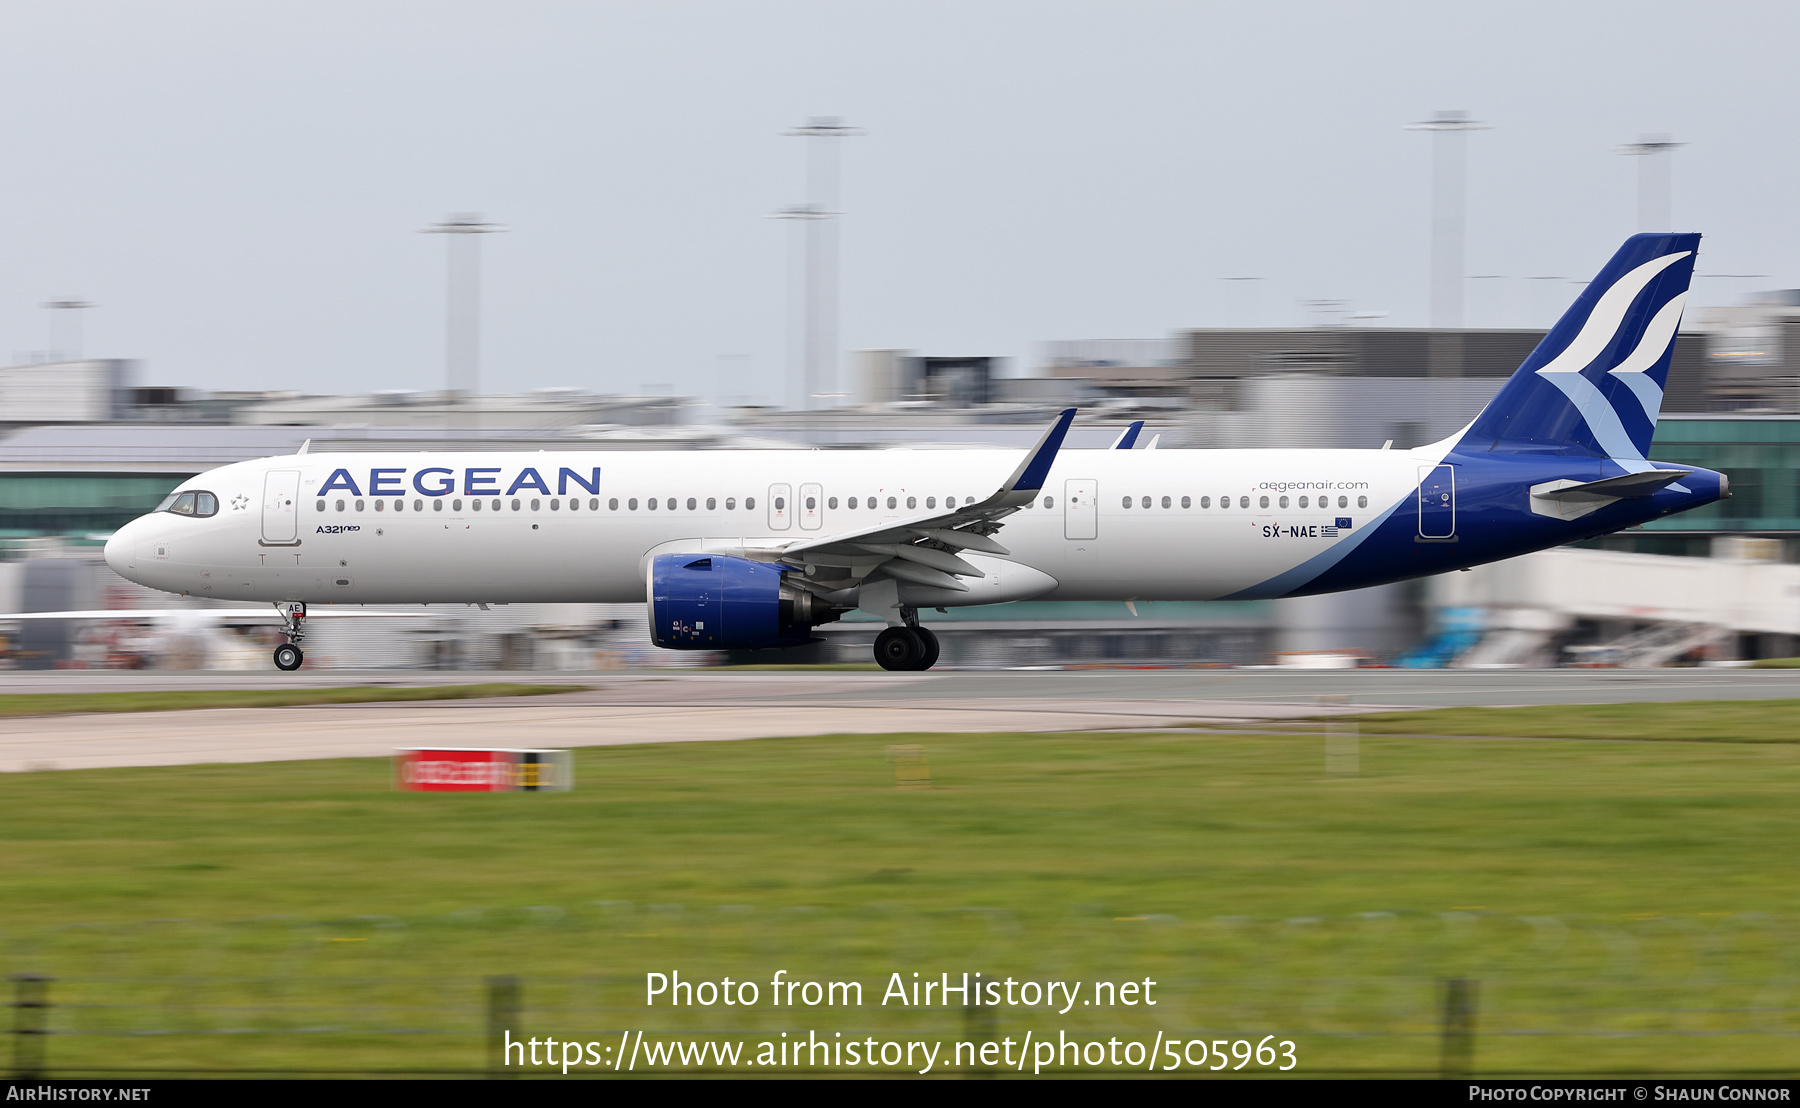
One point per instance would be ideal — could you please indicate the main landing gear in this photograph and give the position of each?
(288, 655)
(906, 648)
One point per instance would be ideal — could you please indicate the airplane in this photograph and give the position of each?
(756, 549)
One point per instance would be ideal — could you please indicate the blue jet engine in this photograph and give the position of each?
(718, 602)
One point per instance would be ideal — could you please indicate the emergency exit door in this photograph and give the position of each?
(811, 510)
(1437, 502)
(1081, 509)
(781, 507)
(281, 494)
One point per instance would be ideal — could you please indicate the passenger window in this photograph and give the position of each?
(1126, 501)
(554, 503)
(612, 505)
(892, 503)
(436, 505)
(912, 502)
(692, 504)
(731, 503)
(1343, 502)
(671, 503)
(418, 505)
(632, 504)
(831, 502)
(650, 503)
(780, 503)
(851, 502)
(1167, 502)
(534, 505)
(1362, 502)
(1205, 502)
(594, 504)
(812, 503)
(340, 505)
(1049, 501)
(1283, 502)
(712, 504)
(1262, 502)
(1146, 502)
(1186, 503)
(949, 501)
(399, 505)
(381, 505)
(1303, 502)
(749, 503)
(456, 506)
(359, 505)
(475, 504)
(320, 507)
(1244, 502)
(931, 502)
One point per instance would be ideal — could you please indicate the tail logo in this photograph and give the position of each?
(1565, 371)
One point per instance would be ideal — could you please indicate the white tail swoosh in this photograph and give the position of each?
(1603, 322)
(1650, 349)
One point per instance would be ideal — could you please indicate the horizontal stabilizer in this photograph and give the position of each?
(1615, 488)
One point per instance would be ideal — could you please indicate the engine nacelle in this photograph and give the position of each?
(719, 602)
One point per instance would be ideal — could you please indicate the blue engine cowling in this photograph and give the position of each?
(718, 602)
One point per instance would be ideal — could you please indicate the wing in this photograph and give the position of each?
(923, 549)
(1129, 436)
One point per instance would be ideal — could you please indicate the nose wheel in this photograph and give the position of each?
(288, 656)
(906, 649)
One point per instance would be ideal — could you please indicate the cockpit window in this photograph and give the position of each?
(191, 504)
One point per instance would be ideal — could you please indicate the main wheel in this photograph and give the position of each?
(930, 657)
(899, 648)
(288, 657)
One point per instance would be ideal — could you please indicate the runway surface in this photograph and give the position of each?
(718, 705)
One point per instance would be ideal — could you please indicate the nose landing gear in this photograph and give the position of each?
(288, 655)
(906, 648)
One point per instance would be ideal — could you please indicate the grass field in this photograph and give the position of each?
(170, 700)
(1735, 721)
(1624, 906)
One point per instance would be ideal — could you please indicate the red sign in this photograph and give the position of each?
(482, 771)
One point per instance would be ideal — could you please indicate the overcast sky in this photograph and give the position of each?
(239, 185)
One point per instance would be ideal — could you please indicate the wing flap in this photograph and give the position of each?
(926, 556)
(921, 575)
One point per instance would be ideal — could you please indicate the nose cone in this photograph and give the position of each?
(120, 549)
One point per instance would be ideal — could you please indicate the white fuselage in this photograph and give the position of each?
(461, 528)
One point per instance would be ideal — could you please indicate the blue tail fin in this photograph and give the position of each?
(1595, 384)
